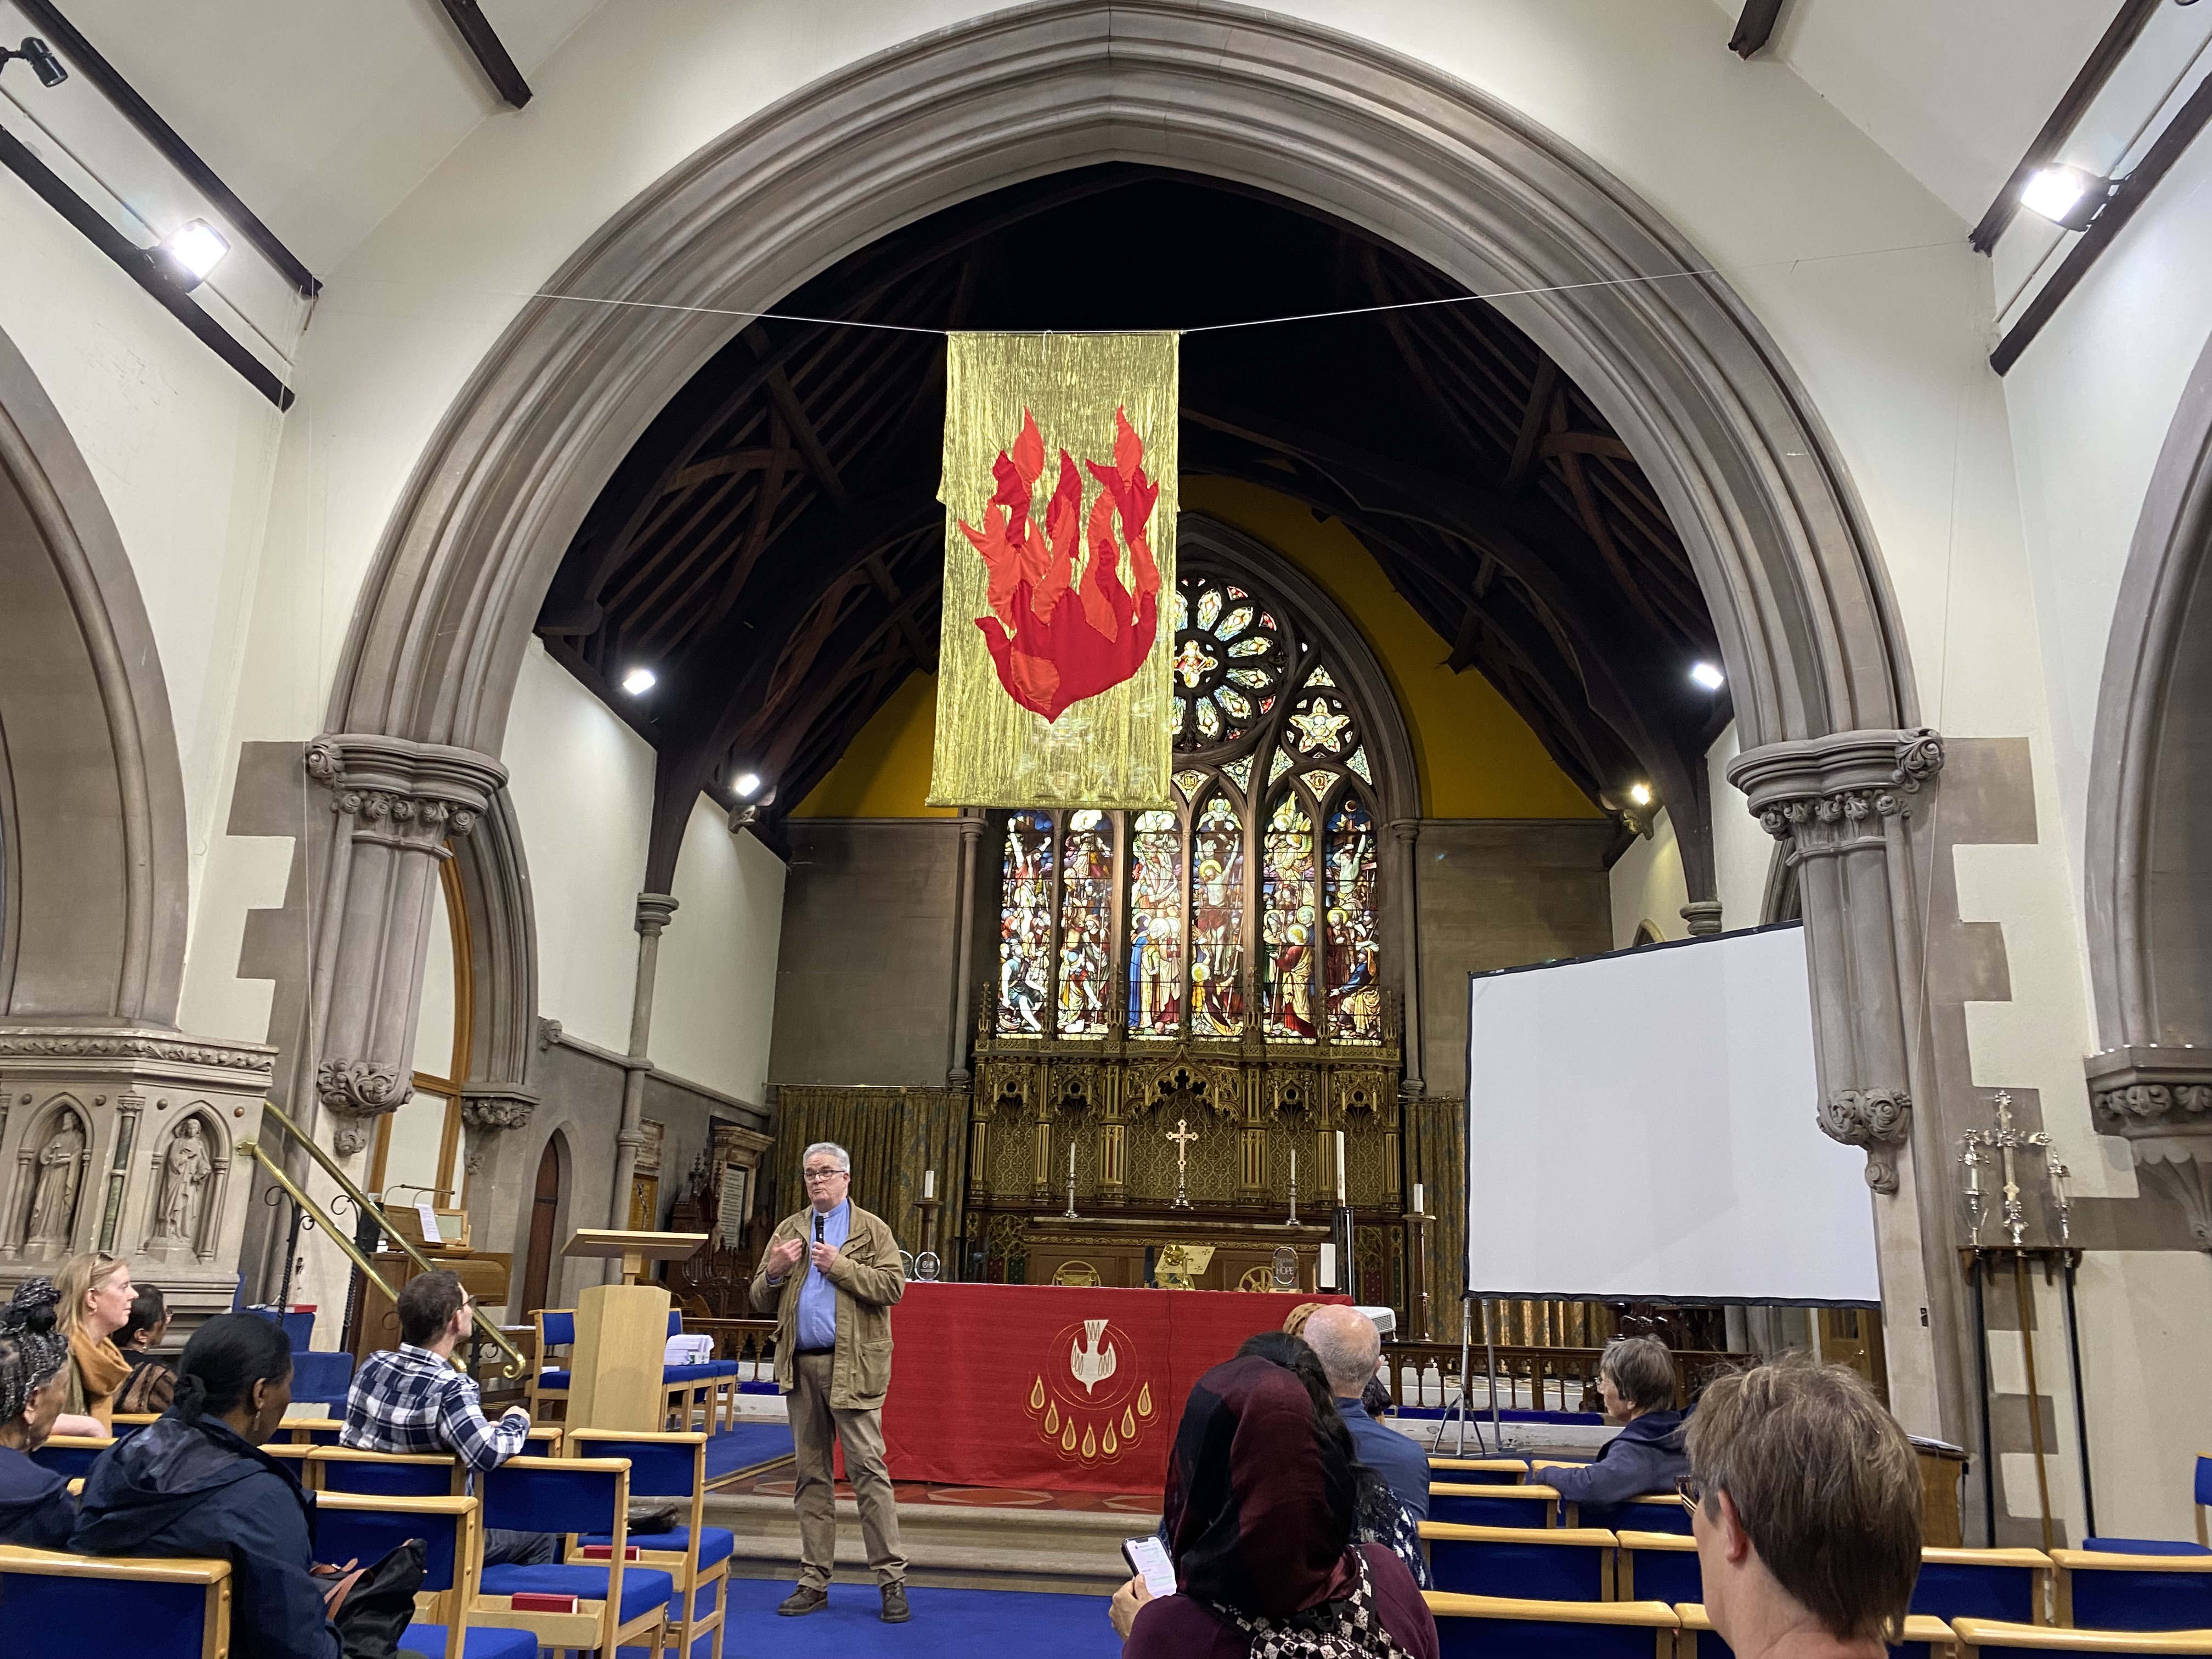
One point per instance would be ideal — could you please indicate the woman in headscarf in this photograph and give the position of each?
(35, 1507)
(1260, 1518)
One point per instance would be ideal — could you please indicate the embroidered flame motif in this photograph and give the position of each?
(1099, 1410)
(1055, 641)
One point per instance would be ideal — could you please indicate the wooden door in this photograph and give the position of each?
(1852, 1337)
(544, 1209)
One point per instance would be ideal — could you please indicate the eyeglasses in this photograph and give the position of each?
(825, 1175)
(1690, 1492)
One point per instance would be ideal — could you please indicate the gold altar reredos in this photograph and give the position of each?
(1253, 1104)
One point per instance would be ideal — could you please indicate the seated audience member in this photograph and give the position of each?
(197, 1483)
(1635, 1380)
(1805, 1499)
(1375, 1399)
(151, 1383)
(96, 1294)
(1348, 1345)
(1260, 1501)
(35, 1507)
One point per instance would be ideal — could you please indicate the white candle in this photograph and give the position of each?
(1417, 1198)
(1294, 1166)
(1340, 1166)
(1071, 1160)
(929, 1183)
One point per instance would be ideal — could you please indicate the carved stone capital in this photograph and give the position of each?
(403, 793)
(2157, 1097)
(653, 910)
(1405, 829)
(1820, 793)
(2188, 1181)
(1877, 1119)
(362, 1088)
(1703, 915)
(493, 1109)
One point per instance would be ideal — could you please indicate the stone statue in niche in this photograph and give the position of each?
(185, 1171)
(61, 1167)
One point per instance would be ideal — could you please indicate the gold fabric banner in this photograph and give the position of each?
(1060, 576)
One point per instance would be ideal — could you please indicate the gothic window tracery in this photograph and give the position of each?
(1254, 897)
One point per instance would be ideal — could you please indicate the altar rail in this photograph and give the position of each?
(1555, 1379)
(737, 1338)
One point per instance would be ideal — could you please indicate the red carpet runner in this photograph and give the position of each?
(1051, 1386)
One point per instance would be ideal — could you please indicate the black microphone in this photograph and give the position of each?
(817, 1226)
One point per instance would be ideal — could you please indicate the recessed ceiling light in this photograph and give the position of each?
(2066, 196)
(198, 247)
(747, 784)
(1640, 793)
(639, 680)
(1708, 675)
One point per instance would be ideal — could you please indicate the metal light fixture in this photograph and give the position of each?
(2067, 197)
(639, 681)
(746, 784)
(1640, 793)
(194, 248)
(50, 69)
(1708, 675)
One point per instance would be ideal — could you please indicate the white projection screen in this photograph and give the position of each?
(1640, 1127)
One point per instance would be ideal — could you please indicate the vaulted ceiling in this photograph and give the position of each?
(772, 546)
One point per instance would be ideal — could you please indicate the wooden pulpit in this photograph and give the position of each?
(622, 1330)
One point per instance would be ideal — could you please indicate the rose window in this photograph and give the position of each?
(1229, 665)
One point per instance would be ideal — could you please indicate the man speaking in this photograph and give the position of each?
(833, 1361)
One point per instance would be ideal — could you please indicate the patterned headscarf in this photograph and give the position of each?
(1259, 1518)
(31, 1350)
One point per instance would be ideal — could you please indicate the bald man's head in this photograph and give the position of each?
(1348, 1345)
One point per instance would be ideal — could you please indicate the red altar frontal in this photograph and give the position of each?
(1060, 1387)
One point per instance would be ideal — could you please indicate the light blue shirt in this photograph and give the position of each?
(818, 1296)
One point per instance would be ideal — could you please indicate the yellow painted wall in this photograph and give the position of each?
(1477, 758)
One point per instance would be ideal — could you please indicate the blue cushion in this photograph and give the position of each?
(715, 1543)
(1468, 1511)
(1542, 1573)
(1532, 1638)
(1963, 1590)
(1669, 1516)
(552, 1379)
(67, 1461)
(1669, 1575)
(561, 1329)
(477, 1643)
(722, 1367)
(2106, 1599)
(687, 1373)
(2144, 1546)
(643, 1588)
(317, 1375)
(53, 1617)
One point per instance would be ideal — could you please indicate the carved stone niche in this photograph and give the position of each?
(125, 1140)
(2158, 1098)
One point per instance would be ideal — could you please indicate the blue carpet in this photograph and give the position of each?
(743, 1447)
(946, 1622)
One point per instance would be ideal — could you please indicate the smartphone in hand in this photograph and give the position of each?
(1148, 1559)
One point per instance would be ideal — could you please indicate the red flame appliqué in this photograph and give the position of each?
(1055, 641)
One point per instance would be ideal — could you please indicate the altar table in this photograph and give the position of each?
(1061, 1387)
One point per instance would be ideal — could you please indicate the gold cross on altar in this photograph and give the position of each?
(1182, 1134)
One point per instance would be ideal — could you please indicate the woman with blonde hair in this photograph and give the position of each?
(96, 1294)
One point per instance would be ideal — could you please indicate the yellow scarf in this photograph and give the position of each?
(100, 1370)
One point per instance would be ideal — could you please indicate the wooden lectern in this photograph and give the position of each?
(622, 1331)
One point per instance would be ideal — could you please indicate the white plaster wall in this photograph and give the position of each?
(713, 988)
(1743, 852)
(582, 786)
(1647, 885)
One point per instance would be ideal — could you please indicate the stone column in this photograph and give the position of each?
(957, 1074)
(653, 910)
(398, 802)
(1405, 878)
(1844, 806)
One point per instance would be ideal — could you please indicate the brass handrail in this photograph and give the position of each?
(338, 1234)
(515, 1363)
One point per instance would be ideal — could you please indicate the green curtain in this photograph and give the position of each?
(895, 1135)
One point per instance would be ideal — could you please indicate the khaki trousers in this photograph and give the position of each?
(815, 1427)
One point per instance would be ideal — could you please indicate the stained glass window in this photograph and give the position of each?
(1223, 893)
(1025, 923)
(1287, 925)
(1354, 970)
(1156, 927)
(1087, 918)
(1217, 921)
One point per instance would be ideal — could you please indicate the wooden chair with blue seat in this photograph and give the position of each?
(1989, 1638)
(1493, 1505)
(2099, 1590)
(549, 1384)
(1662, 1512)
(672, 1465)
(1538, 1562)
(617, 1602)
(1658, 1566)
(2009, 1585)
(1923, 1638)
(2200, 1496)
(1480, 1471)
(72, 1455)
(386, 1475)
(686, 1388)
(55, 1602)
(359, 1528)
(1513, 1628)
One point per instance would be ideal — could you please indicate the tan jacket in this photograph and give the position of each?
(868, 1279)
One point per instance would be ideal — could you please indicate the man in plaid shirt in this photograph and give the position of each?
(412, 1401)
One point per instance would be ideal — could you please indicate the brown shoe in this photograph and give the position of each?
(896, 1611)
(801, 1601)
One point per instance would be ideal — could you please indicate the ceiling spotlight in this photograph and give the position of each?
(1640, 793)
(40, 57)
(194, 249)
(747, 784)
(1708, 675)
(639, 681)
(2067, 197)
